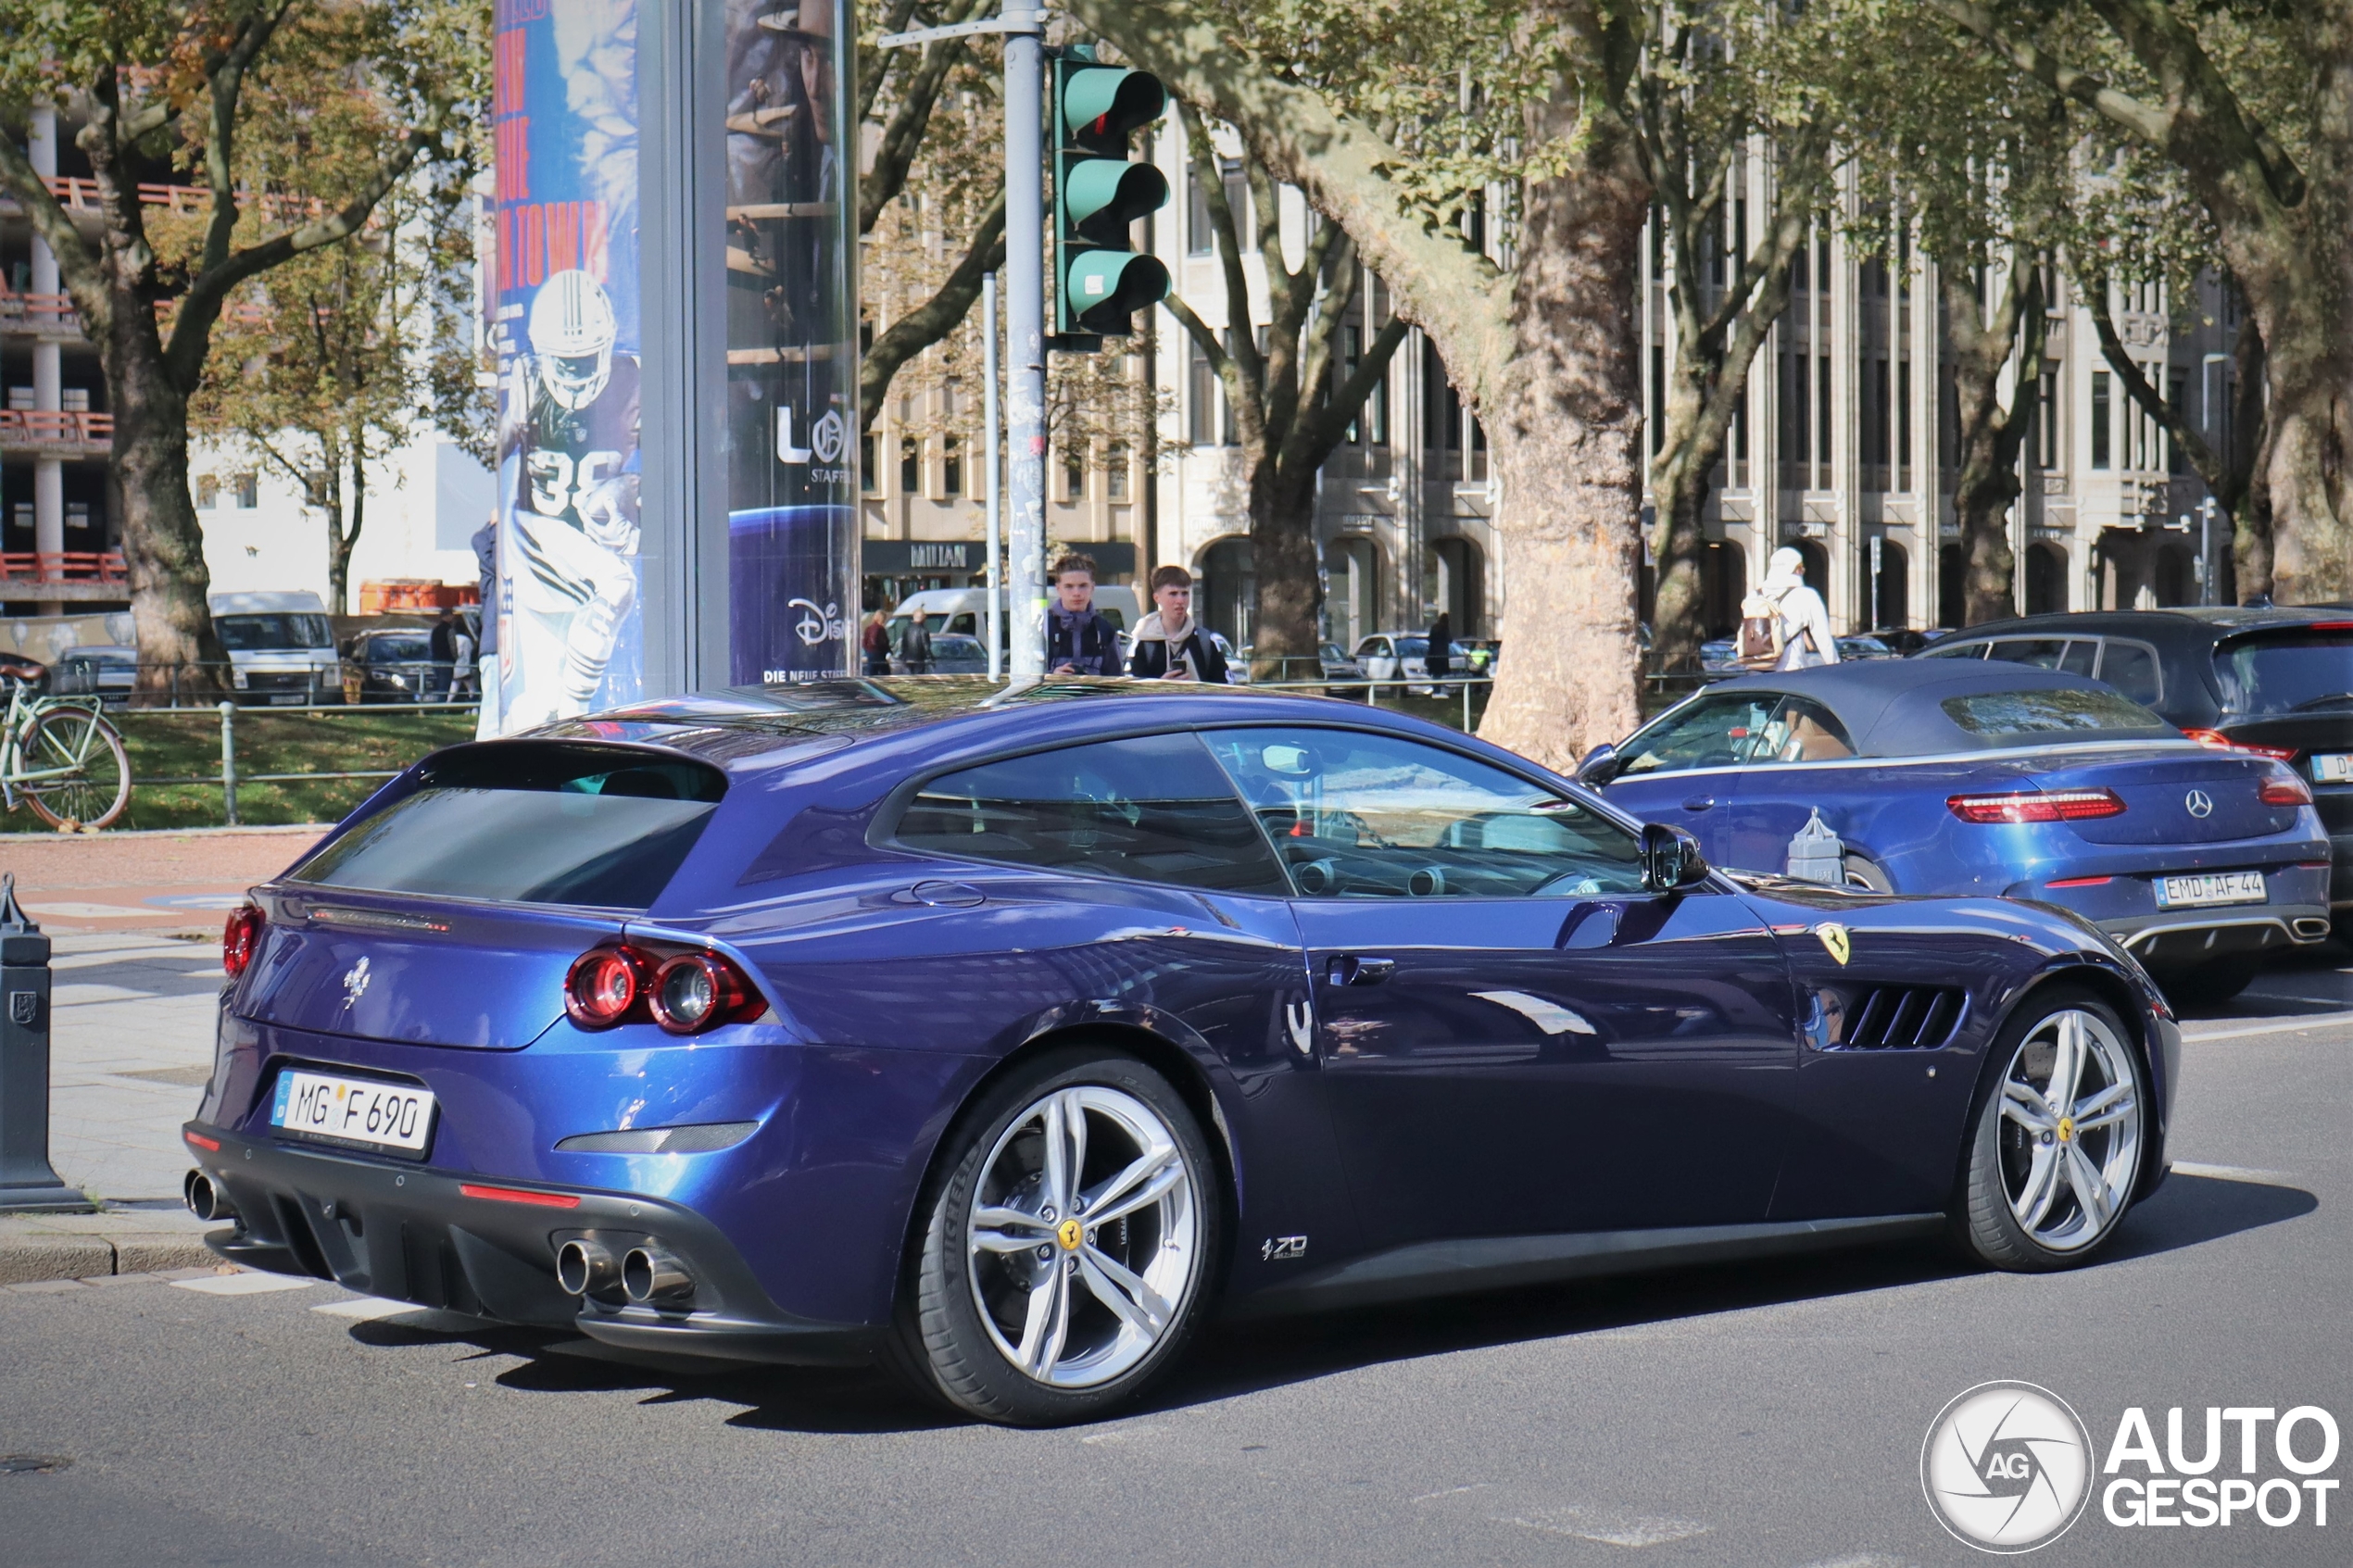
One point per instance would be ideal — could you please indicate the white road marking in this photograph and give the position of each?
(2290, 1026)
(243, 1285)
(2235, 1173)
(1588, 1525)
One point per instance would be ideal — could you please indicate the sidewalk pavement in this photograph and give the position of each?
(129, 1050)
(174, 880)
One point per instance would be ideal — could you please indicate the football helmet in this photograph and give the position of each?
(571, 335)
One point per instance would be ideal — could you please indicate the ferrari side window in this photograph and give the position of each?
(1150, 808)
(1715, 732)
(1356, 815)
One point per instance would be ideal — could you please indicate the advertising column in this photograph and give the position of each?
(791, 313)
(564, 327)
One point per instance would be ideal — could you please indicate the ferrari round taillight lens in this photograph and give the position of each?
(604, 986)
(698, 991)
(240, 938)
(2282, 786)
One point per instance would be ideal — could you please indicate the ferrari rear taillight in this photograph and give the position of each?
(697, 991)
(2217, 740)
(686, 994)
(606, 987)
(240, 938)
(2037, 805)
(2281, 788)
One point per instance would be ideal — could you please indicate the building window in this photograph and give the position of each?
(1116, 473)
(1442, 405)
(1202, 415)
(2046, 436)
(1903, 420)
(207, 492)
(1074, 475)
(911, 466)
(1659, 397)
(868, 479)
(77, 514)
(2177, 396)
(951, 467)
(1822, 425)
(2100, 425)
(248, 487)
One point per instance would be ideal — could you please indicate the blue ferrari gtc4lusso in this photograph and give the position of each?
(1001, 1034)
(1943, 777)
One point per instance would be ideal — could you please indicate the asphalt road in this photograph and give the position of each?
(1759, 1416)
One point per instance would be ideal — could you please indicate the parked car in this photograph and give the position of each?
(1404, 656)
(953, 653)
(2275, 680)
(963, 612)
(280, 645)
(1863, 645)
(1007, 1041)
(393, 665)
(1907, 640)
(106, 673)
(1949, 778)
(1719, 656)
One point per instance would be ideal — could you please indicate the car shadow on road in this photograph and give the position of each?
(1243, 1357)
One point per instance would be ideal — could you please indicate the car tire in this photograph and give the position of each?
(2046, 1183)
(999, 1332)
(2209, 985)
(1862, 872)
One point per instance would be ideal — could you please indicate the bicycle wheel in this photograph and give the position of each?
(88, 781)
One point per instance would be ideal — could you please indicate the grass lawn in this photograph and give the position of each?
(181, 744)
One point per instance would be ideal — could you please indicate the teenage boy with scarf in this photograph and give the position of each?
(1170, 645)
(1078, 640)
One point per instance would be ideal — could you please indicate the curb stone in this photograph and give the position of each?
(36, 1248)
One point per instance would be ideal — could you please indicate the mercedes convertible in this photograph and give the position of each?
(1004, 1033)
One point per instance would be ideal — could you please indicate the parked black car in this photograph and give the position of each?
(2276, 680)
(394, 665)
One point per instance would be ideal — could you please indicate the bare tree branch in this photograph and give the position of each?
(936, 316)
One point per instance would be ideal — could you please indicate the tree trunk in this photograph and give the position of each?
(340, 539)
(1563, 429)
(1678, 488)
(1287, 626)
(1989, 436)
(162, 545)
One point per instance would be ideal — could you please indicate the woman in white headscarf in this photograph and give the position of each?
(1805, 620)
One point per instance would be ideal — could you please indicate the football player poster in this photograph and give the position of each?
(565, 330)
(791, 360)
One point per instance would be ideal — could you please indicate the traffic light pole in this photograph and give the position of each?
(1026, 341)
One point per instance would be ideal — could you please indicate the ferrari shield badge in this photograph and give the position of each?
(1834, 937)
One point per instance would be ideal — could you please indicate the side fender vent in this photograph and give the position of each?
(1909, 1018)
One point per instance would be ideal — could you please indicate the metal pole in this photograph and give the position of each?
(1025, 339)
(989, 421)
(228, 761)
(2206, 551)
(27, 1179)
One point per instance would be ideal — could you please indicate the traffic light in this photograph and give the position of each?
(1099, 283)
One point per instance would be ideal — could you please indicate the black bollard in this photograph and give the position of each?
(26, 1179)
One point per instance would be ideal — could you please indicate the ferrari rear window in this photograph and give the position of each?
(2056, 710)
(531, 822)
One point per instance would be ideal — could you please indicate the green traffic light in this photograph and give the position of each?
(1103, 288)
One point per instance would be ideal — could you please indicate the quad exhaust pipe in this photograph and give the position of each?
(649, 1275)
(205, 1198)
(586, 1268)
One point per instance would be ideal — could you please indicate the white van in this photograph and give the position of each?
(282, 647)
(963, 612)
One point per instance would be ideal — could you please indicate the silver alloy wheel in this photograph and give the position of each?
(1084, 1238)
(2070, 1144)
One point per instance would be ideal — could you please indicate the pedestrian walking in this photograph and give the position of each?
(914, 645)
(1806, 640)
(486, 544)
(442, 645)
(461, 684)
(1079, 641)
(874, 642)
(1440, 661)
(1170, 645)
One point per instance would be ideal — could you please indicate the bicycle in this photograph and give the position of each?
(64, 759)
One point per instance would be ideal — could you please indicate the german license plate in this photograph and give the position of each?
(2210, 887)
(365, 1112)
(2335, 768)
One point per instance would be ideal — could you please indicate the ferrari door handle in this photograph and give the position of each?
(1700, 803)
(1357, 970)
